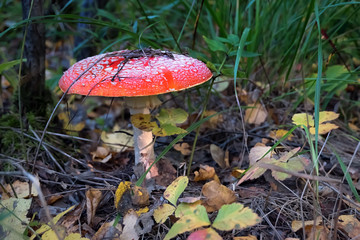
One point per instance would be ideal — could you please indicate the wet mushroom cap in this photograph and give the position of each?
(115, 76)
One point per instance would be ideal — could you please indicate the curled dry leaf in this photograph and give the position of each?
(93, 198)
(184, 148)
(205, 173)
(102, 154)
(216, 195)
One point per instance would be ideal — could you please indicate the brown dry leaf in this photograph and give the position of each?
(317, 232)
(216, 195)
(139, 196)
(129, 221)
(297, 225)
(21, 190)
(205, 173)
(220, 156)
(93, 198)
(256, 114)
(350, 225)
(107, 231)
(249, 237)
(350, 204)
(292, 238)
(184, 148)
(278, 134)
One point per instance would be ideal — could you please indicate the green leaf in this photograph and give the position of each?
(215, 45)
(172, 116)
(196, 219)
(174, 190)
(185, 209)
(235, 216)
(7, 65)
(295, 164)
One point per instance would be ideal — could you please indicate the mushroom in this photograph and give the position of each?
(139, 76)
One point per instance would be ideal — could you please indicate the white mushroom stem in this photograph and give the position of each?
(143, 140)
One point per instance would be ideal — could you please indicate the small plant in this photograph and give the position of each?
(194, 215)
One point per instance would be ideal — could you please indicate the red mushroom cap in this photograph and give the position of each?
(113, 75)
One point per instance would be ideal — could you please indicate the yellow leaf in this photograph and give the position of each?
(326, 116)
(174, 190)
(235, 216)
(163, 212)
(278, 134)
(143, 122)
(118, 141)
(142, 210)
(75, 236)
(303, 119)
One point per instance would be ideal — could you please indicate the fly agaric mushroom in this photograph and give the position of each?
(139, 76)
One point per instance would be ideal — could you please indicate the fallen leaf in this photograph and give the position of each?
(255, 114)
(249, 237)
(143, 122)
(163, 212)
(13, 218)
(235, 216)
(21, 190)
(349, 224)
(174, 190)
(205, 173)
(100, 154)
(216, 195)
(195, 219)
(46, 228)
(108, 231)
(297, 225)
(184, 148)
(75, 236)
(258, 152)
(324, 116)
(139, 196)
(278, 134)
(93, 198)
(119, 141)
(220, 156)
(129, 222)
(205, 234)
(186, 208)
